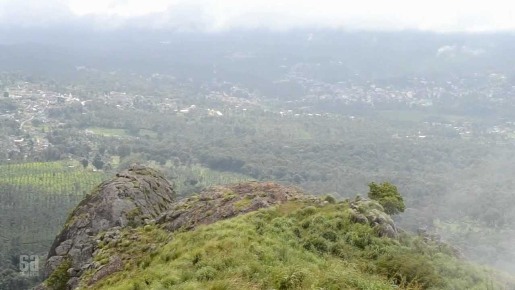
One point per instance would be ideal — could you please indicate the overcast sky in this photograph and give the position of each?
(219, 15)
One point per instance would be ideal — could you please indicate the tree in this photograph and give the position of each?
(84, 163)
(97, 162)
(6, 94)
(388, 196)
(124, 150)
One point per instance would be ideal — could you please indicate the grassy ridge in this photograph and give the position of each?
(292, 246)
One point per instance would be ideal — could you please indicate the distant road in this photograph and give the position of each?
(23, 123)
(32, 117)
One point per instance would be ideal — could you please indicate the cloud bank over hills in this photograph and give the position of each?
(223, 15)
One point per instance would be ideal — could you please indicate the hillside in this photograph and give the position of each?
(132, 233)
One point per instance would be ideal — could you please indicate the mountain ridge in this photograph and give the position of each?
(133, 233)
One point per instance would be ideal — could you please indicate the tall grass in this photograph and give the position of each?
(292, 246)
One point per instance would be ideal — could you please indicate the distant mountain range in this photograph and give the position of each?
(247, 55)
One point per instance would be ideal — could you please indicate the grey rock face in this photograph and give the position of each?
(130, 198)
(63, 248)
(221, 202)
(115, 264)
(367, 211)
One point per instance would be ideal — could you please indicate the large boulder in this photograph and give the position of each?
(133, 197)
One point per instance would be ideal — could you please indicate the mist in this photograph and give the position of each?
(225, 98)
(215, 16)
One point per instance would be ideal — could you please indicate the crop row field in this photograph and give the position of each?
(60, 177)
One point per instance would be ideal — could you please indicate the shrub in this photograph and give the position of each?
(308, 210)
(388, 196)
(358, 239)
(330, 199)
(342, 250)
(317, 244)
(206, 273)
(330, 235)
(59, 278)
(409, 269)
(292, 281)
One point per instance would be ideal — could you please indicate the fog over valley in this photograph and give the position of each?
(257, 144)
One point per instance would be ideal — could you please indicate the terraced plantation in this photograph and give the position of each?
(66, 177)
(36, 197)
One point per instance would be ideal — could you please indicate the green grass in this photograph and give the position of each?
(292, 246)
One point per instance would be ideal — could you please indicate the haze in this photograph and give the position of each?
(206, 15)
(396, 114)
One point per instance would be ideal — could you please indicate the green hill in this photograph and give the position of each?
(296, 245)
(246, 236)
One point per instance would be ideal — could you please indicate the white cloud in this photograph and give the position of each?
(451, 51)
(435, 15)
(34, 12)
(123, 8)
(446, 50)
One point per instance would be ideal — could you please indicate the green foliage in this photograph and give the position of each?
(330, 199)
(58, 279)
(84, 163)
(243, 203)
(12, 279)
(271, 249)
(206, 273)
(409, 269)
(97, 162)
(388, 196)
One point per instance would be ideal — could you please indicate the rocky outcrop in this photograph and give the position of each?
(141, 196)
(367, 211)
(133, 197)
(221, 202)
